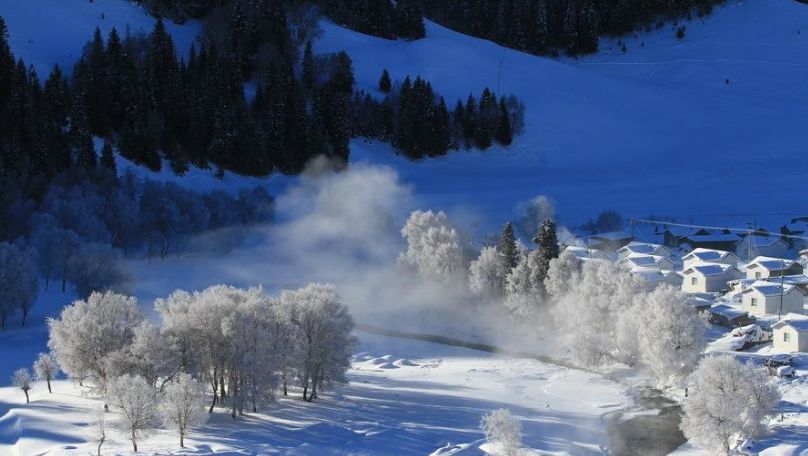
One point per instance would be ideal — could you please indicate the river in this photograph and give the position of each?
(637, 431)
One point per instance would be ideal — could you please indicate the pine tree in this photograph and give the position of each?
(504, 132)
(408, 19)
(570, 27)
(547, 240)
(309, 71)
(507, 249)
(81, 137)
(385, 84)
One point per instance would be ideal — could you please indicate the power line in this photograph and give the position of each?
(749, 231)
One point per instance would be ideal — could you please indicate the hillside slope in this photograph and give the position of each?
(654, 130)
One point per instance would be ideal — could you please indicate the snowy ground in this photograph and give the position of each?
(405, 397)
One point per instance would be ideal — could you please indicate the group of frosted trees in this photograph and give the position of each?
(604, 315)
(240, 345)
(82, 228)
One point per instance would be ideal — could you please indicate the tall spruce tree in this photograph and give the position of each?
(507, 249)
(385, 84)
(547, 241)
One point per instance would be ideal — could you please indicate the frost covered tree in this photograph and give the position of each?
(524, 290)
(671, 335)
(96, 267)
(323, 339)
(562, 274)
(486, 274)
(727, 399)
(46, 368)
(502, 427)
(152, 354)
(19, 281)
(88, 332)
(183, 406)
(137, 403)
(547, 240)
(508, 249)
(588, 314)
(434, 249)
(99, 429)
(22, 380)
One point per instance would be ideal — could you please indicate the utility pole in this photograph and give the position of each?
(782, 278)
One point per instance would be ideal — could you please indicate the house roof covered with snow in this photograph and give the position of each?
(708, 255)
(708, 269)
(728, 311)
(770, 263)
(763, 241)
(796, 321)
(583, 253)
(644, 248)
(767, 288)
(642, 260)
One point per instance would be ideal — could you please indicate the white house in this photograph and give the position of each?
(644, 248)
(763, 267)
(653, 277)
(647, 261)
(702, 255)
(791, 334)
(771, 246)
(762, 298)
(708, 277)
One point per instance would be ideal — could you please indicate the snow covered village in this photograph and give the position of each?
(403, 227)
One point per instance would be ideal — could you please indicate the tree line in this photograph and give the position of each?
(417, 121)
(552, 26)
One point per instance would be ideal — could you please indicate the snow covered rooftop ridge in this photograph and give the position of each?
(709, 269)
(762, 241)
(770, 288)
(794, 320)
(727, 311)
(770, 263)
(708, 254)
(642, 247)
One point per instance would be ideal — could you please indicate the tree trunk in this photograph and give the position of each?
(24, 316)
(47, 282)
(27, 401)
(134, 442)
(182, 440)
(285, 390)
(49, 387)
(100, 442)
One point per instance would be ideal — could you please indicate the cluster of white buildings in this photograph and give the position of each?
(766, 288)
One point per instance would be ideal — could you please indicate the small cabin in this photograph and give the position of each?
(708, 277)
(729, 317)
(653, 277)
(764, 298)
(763, 267)
(791, 334)
(702, 255)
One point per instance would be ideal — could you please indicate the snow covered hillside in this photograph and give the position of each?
(653, 131)
(405, 397)
(44, 32)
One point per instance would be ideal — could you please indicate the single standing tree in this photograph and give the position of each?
(184, 405)
(500, 426)
(727, 398)
(19, 281)
(385, 84)
(507, 248)
(46, 368)
(486, 274)
(137, 403)
(99, 430)
(547, 240)
(22, 380)
(671, 335)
